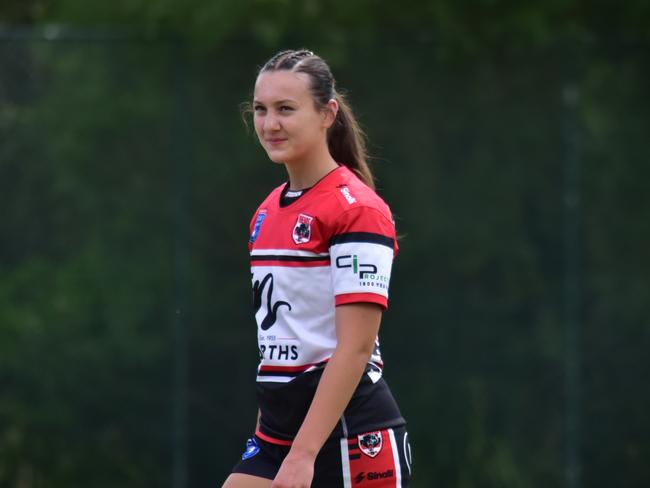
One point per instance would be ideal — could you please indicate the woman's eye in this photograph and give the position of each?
(286, 108)
(258, 108)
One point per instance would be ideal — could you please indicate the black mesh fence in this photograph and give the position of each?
(517, 335)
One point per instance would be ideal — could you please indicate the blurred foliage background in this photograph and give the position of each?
(511, 141)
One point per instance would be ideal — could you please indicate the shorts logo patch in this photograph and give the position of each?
(252, 448)
(258, 225)
(370, 443)
(302, 230)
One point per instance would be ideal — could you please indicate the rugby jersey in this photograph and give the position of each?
(334, 245)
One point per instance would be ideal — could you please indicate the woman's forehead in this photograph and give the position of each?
(281, 85)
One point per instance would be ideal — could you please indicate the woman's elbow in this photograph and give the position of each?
(356, 353)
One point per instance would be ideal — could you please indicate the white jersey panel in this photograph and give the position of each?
(294, 332)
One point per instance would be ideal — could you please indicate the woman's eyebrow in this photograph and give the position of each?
(277, 102)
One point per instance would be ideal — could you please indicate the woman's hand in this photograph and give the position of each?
(297, 471)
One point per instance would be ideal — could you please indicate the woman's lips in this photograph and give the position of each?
(275, 141)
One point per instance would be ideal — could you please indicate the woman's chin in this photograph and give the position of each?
(278, 157)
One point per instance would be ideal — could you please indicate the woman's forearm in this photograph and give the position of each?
(339, 380)
(357, 327)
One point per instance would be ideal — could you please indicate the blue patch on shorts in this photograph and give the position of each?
(252, 448)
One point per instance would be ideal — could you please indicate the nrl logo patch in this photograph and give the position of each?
(370, 443)
(302, 230)
(258, 225)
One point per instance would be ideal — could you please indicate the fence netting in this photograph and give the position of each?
(517, 335)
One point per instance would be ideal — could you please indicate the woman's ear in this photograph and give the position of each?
(329, 113)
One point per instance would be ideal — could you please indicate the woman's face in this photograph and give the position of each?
(287, 123)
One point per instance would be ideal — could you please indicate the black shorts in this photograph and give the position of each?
(378, 459)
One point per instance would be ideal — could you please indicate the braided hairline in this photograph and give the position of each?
(292, 60)
(287, 59)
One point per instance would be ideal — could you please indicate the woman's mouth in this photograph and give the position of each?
(275, 141)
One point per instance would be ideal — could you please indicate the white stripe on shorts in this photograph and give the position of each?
(345, 462)
(398, 468)
(407, 453)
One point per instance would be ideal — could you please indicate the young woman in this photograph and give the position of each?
(321, 249)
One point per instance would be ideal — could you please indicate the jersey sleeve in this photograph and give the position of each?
(362, 249)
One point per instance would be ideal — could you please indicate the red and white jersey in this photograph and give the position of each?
(334, 245)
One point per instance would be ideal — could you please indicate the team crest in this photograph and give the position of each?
(302, 230)
(370, 443)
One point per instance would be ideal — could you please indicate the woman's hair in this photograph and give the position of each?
(345, 138)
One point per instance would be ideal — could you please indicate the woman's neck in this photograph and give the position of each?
(306, 174)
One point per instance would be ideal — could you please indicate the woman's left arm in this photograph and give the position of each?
(357, 325)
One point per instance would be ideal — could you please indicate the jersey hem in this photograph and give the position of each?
(337, 433)
(272, 440)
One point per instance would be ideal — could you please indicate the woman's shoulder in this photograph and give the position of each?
(353, 194)
(358, 213)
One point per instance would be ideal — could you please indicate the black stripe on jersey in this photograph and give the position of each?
(286, 374)
(283, 257)
(363, 237)
(291, 372)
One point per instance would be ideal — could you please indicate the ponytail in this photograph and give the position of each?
(347, 142)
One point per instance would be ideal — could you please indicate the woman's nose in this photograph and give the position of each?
(271, 122)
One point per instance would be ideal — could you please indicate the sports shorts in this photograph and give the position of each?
(378, 459)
